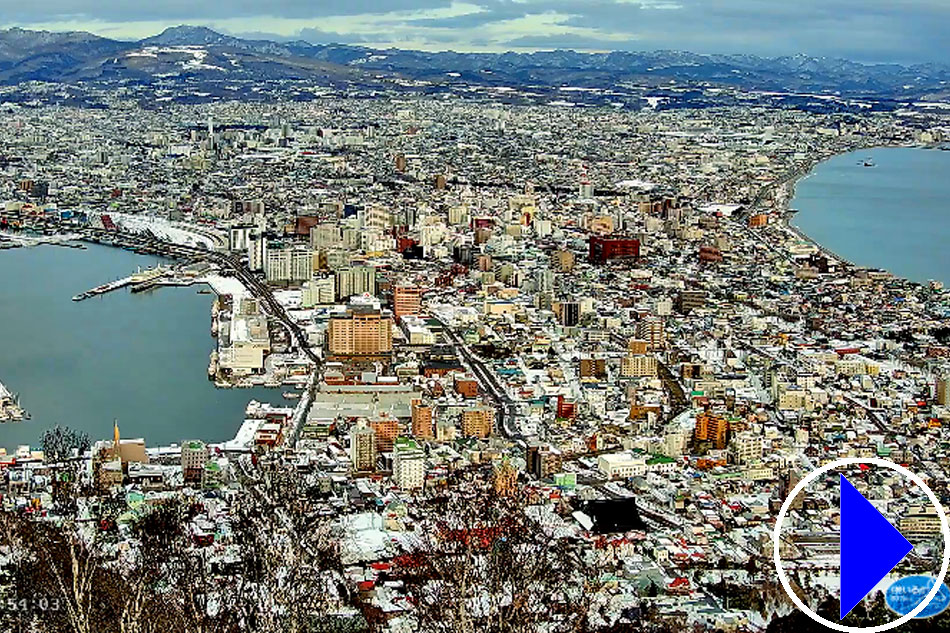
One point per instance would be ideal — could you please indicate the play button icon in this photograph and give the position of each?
(870, 547)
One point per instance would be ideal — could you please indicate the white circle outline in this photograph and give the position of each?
(810, 477)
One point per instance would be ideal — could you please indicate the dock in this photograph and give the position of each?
(104, 288)
(151, 284)
(137, 280)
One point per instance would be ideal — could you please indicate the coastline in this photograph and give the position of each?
(792, 183)
(27, 432)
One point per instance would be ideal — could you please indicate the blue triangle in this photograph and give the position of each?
(870, 547)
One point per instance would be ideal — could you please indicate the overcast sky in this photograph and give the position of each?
(866, 30)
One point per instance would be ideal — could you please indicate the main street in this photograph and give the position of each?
(507, 407)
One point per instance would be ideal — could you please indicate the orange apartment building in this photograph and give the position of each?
(478, 422)
(407, 300)
(386, 430)
(422, 421)
(711, 428)
(363, 331)
(466, 386)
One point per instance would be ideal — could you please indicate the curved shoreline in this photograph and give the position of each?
(786, 216)
(157, 431)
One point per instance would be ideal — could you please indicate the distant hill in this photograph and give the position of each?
(191, 52)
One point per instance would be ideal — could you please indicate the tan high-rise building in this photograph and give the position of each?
(943, 390)
(505, 478)
(407, 300)
(194, 456)
(363, 448)
(593, 368)
(422, 423)
(386, 430)
(637, 365)
(478, 422)
(363, 330)
(637, 346)
(653, 332)
(562, 261)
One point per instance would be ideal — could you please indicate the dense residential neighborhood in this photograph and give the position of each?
(551, 362)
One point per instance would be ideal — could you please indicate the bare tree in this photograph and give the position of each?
(58, 564)
(61, 443)
(63, 448)
(290, 580)
(486, 564)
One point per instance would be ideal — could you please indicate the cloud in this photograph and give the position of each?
(868, 30)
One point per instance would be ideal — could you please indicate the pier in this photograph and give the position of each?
(140, 281)
(158, 282)
(104, 288)
(147, 242)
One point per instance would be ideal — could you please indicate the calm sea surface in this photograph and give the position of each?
(139, 358)
(895, 215)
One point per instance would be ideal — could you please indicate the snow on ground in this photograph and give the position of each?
(635, 183)
(198, 56)
(165, 229)
(226, 286)
(244, 438)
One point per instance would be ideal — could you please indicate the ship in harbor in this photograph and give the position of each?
(136, 279)
(141, 276)
(10, 409)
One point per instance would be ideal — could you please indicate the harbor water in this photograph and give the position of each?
(883, 208)
(139, 358)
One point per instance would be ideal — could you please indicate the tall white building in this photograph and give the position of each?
(324, 236)
(256, 251)
(318, 292)
(292, 264)
(355, 281)
(337, 258)
(458, 214)
(409, 470)
(544, 280)
(376, 241)
(375, 217)
(239, 237)
(746, 448)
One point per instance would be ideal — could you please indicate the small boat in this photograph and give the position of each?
(290, 395)
(868, 163)
(204, 291)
